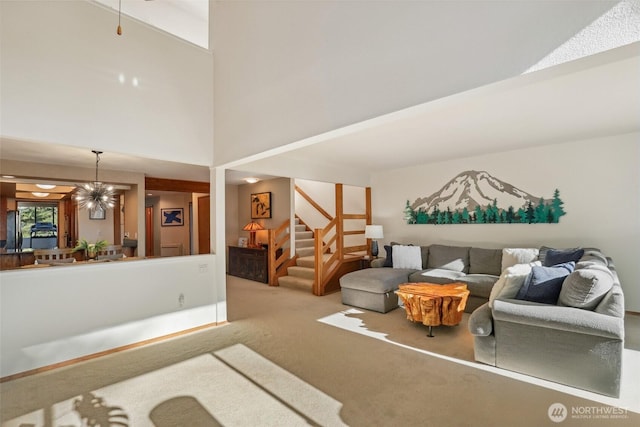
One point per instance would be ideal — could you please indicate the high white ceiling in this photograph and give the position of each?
(589, 97)
(586, 98)
(187, 19)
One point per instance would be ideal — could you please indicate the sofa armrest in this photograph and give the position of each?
(481, 321)
(378, 262)
(558, 317)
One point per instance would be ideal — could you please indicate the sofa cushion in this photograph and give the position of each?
(513, 256)
(543, 284)
(438, 276)
(485, 261)
(559, 256)
(586, 287)
(455, 258)
(510, 281)
(594, 256)
(376, 280)
(612, 303)
(479, 285)
(407, 257)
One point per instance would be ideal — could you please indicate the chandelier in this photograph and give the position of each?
(96, 196)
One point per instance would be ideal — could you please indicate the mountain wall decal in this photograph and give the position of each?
(477, 197)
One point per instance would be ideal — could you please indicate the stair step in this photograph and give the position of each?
(305, 243)
(304, 235)
(300, 227)
(296, 283)
(299, 271)
(305, 252)
(309, 261)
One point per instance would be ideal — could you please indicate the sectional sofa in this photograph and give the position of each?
(553, 314)
(576, 341)
(374, 288)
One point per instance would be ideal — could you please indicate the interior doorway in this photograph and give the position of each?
(148, 228)
(204, 229)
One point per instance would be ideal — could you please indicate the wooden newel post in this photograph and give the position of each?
(271, 241)
(318, 261)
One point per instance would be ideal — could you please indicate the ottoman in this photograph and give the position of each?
(373, 288)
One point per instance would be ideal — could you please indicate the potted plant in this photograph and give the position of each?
(90, 249)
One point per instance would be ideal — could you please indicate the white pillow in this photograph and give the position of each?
(513, 256)
(510, 281)
(406, 257)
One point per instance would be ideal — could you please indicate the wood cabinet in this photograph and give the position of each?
(249, 263)
(10, 259)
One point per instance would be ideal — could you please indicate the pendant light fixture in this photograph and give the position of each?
(119, 30)
(96, 196)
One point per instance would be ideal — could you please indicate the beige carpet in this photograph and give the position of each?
(288, 358)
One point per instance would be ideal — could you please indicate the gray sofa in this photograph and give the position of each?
(373, 288)
(577, 342)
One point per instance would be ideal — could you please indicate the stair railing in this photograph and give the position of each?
(330, 239)
(279, 252)
(313, 203)
(324, 268)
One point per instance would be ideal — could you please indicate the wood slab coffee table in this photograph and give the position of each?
(432, 304)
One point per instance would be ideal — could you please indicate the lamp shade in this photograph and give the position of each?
(373, 232)
(253, 226)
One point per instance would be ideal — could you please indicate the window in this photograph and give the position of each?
(37, 212)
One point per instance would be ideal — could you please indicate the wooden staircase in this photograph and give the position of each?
(302, 275)
(321, 256)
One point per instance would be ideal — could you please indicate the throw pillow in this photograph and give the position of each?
(510, 281)
(407, 257)
(586, 287)
(388, 261)
(544, 284)
(559, 256)
(513, 256)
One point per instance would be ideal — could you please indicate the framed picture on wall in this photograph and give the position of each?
(172, 217)
(261, 205)
(97, 213)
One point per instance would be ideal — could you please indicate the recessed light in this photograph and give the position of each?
(251, 180)
(46, 186)
(8, 176)
(38, 194)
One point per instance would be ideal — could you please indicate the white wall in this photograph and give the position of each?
(280, 205)
(60, 76)
(54, 314)
(172, 235)
(93, 230)
(289, 70)
(60, 80)
(598, 182)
